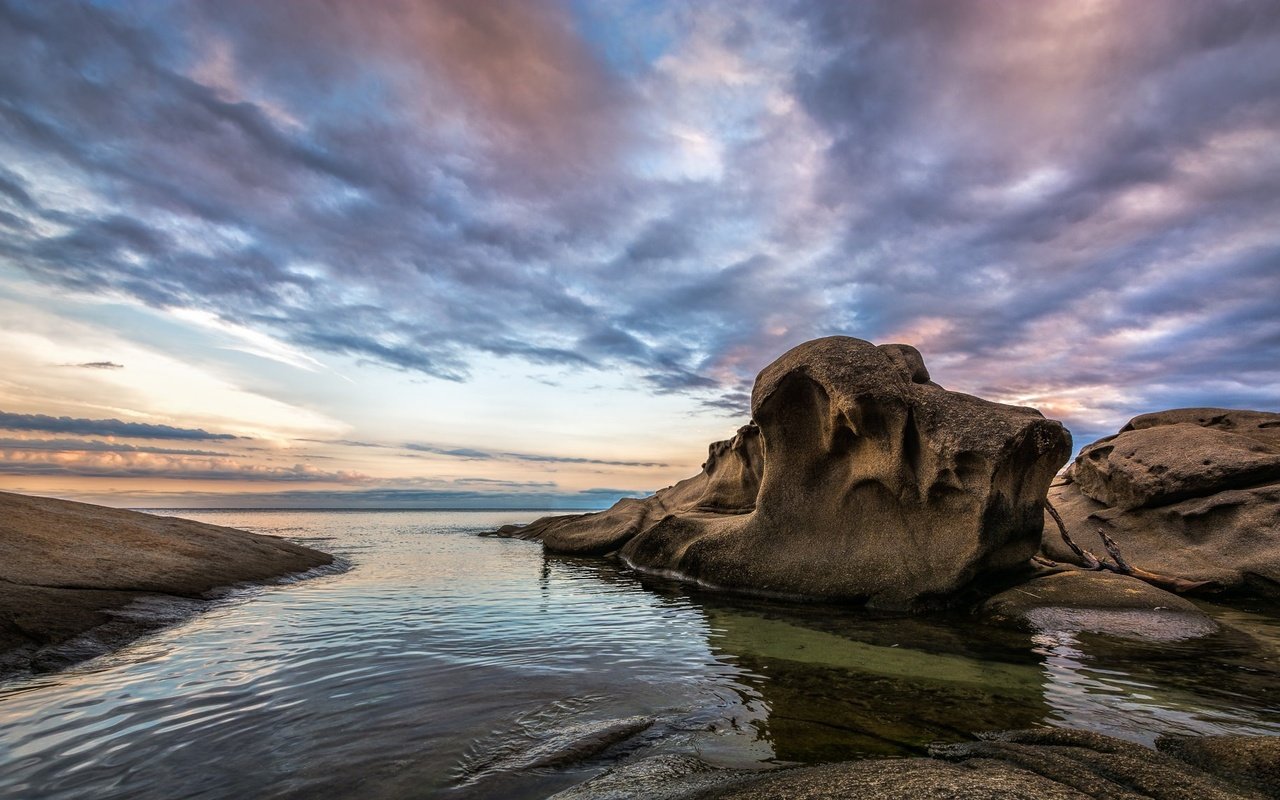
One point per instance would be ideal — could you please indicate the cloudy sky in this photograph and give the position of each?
(532, 253)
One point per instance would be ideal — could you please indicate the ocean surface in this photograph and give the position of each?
(437, 663)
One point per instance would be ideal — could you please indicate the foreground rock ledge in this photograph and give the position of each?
(859, 480)
(1016, 765)
(67, 569)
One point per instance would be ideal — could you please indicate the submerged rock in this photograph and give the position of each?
(661, 777)
(72, 569)
(1190, 492)
(861, 480)
(562, 746)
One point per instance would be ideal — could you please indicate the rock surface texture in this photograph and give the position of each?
(1192, 492)
(1017, 765)
(69, 569)
(859, 480)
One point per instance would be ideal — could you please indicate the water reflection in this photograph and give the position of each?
(837, 683)
(844, 684)
(448, 664)
(1139, 690)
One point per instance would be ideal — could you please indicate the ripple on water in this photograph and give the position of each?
(432, 661)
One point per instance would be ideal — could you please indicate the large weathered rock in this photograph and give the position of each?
(1193, 493)
(1261, 425)
(875, 485)
(67, 569)
(1162, 463)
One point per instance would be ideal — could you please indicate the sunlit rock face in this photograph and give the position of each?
(1192, 492)
(875, 485)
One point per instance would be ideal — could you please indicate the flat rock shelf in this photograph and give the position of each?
(77, 579)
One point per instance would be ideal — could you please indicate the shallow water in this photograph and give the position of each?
(445, 664)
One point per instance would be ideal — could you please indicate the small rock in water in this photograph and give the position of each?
(565, 745)
(1098, 602)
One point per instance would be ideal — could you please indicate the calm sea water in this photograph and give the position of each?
(445, 664)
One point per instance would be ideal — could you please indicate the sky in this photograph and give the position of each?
(528, 253)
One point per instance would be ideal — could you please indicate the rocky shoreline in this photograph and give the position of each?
(77, 580)
(861, 481)
(858, 482)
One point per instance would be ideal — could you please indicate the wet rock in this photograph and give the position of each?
(581, 741)
(662, 777)
(1098, 602)
(69, 569)
(875, 485)
(565, 745)
(1192, 493)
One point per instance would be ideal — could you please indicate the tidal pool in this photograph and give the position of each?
(440, 663)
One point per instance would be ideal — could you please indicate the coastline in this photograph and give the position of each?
(79, 580)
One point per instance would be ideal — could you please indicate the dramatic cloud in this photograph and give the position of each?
(1066, 205)
(104, 427)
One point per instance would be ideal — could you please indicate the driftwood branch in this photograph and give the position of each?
(1166, 582)
(1121, 565)
(1090, 560)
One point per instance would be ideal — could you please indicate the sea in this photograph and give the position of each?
(435, 662)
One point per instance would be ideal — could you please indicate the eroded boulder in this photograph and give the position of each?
(874, 485)
(1158, 465)
(1191, 492)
